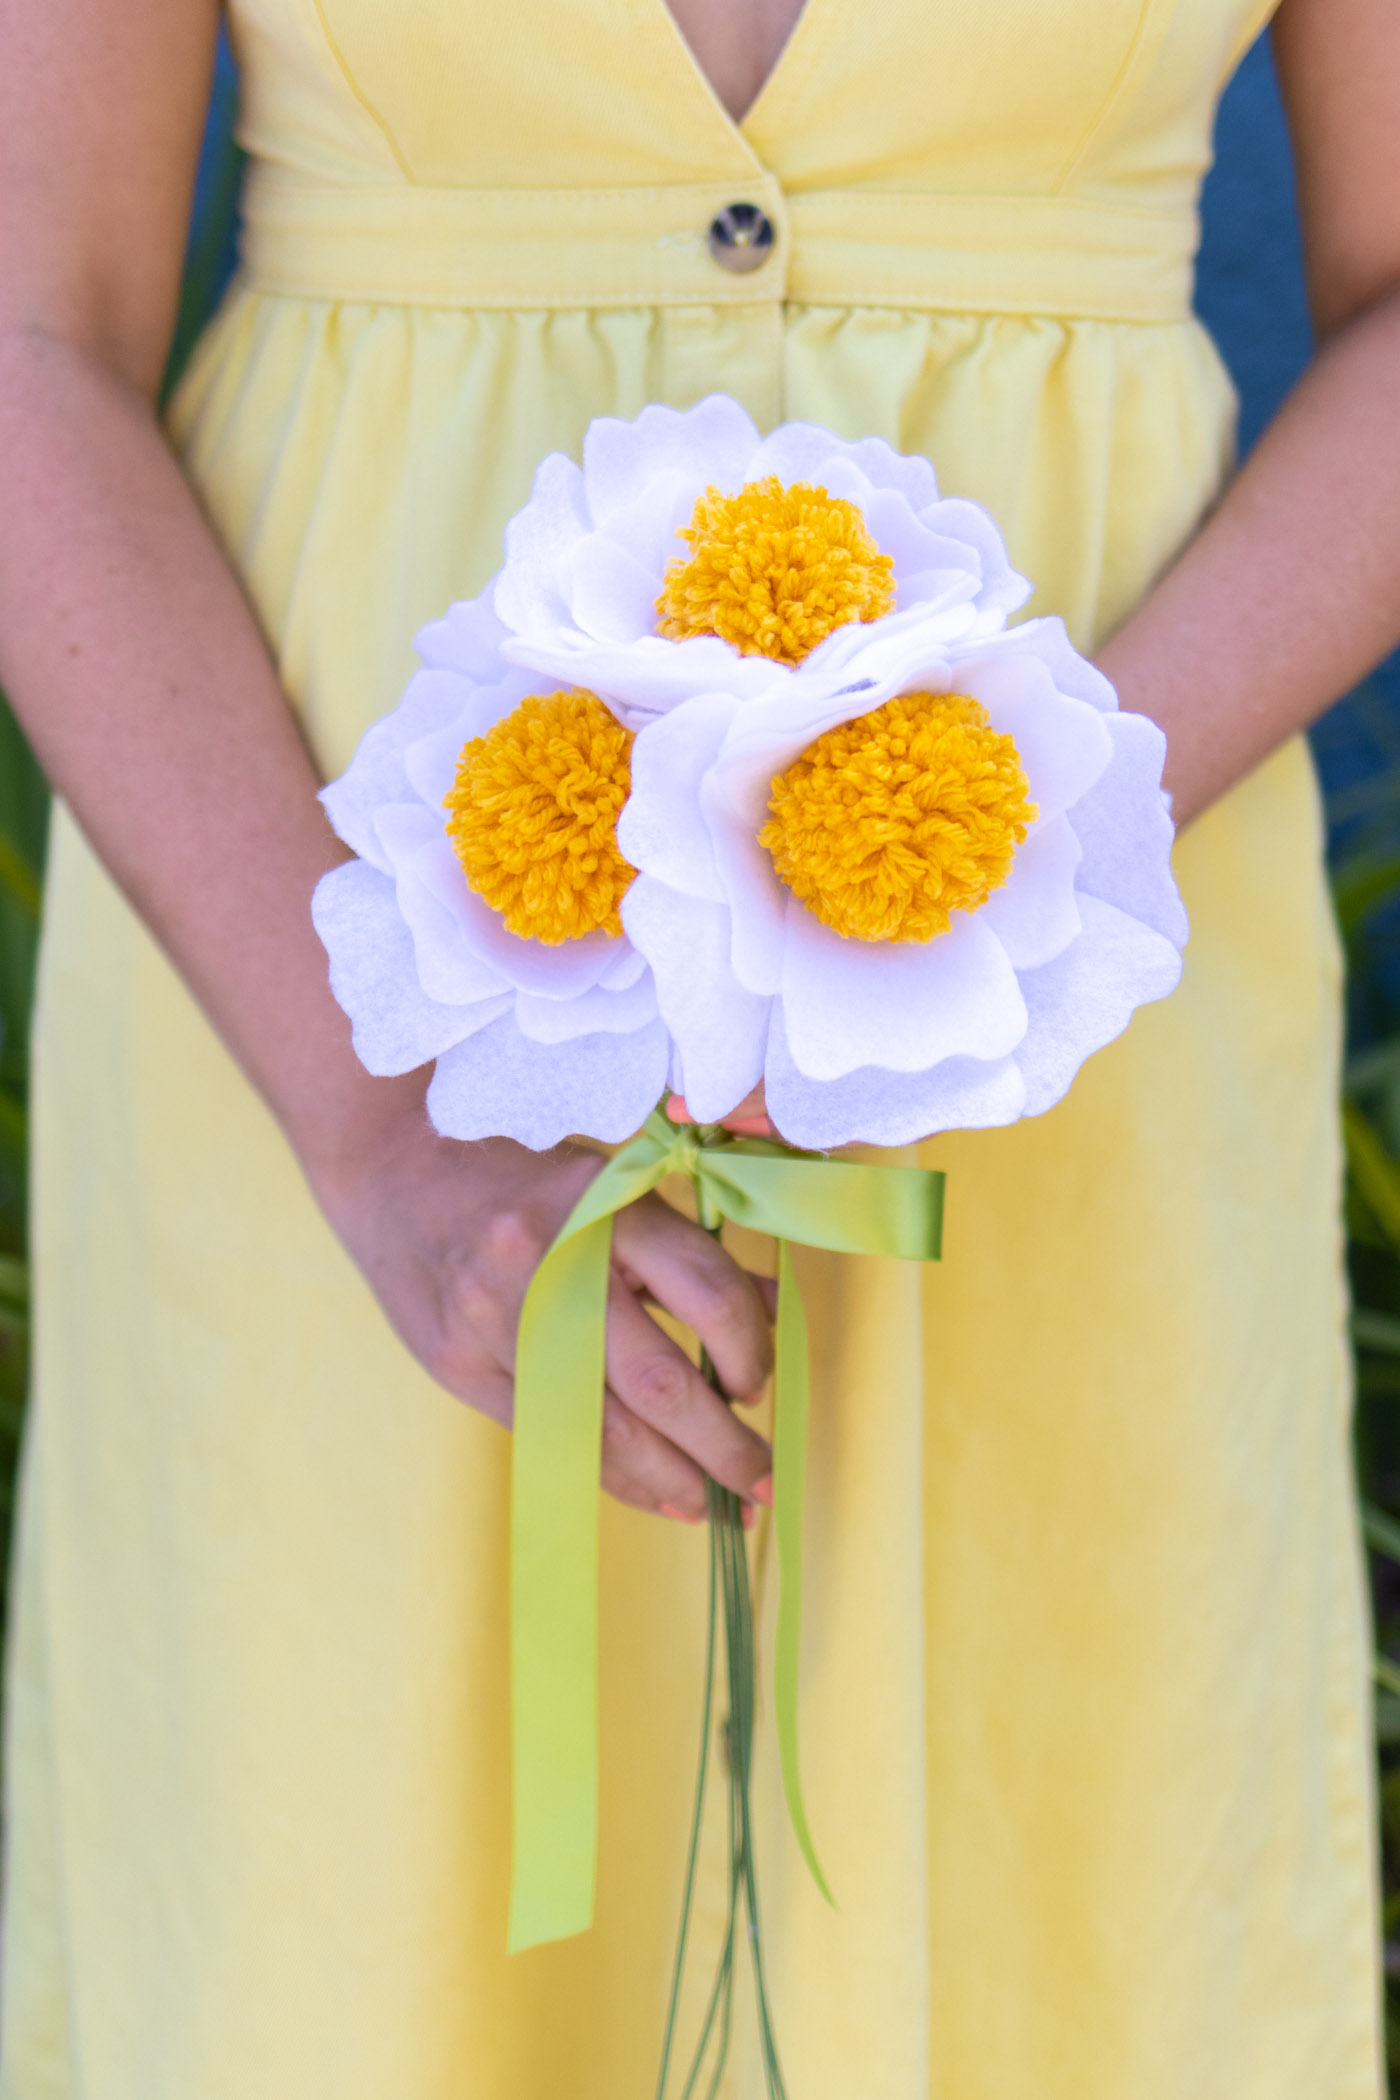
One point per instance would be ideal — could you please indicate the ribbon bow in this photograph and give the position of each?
(834, 1204)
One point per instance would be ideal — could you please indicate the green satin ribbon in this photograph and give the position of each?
(835, 1204)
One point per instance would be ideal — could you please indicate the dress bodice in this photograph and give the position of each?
(1108, 100)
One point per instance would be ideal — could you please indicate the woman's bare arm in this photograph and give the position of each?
(139, 673)
(1291, 593)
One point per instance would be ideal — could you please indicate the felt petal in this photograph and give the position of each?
(1072, 673)
(893, 655)
(1063, 744)
(799, 452)
(1087, 996)
(875, 1107)
(1003, 590)
(527, 595)
(756, 899)
(901, 1005)
(915, 549)
(467, 639)
(587, 1013)
(662, 830)
(907, 472)
(558, 970)
(719, 1029)
(712, 442)
(610, 594)
(1126, 834)
(624, 969)
(458, 934)
(1034, 914)
(377, 774)
(646, 677)
(650, 527)
(449, 965)
(430, 763)
(374, 976)
(500, 1084)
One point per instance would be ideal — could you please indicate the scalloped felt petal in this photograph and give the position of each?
(1126, 832)
(377, 773)
(661, 829)
(712, 442)
(643, 679)
(1003, 590)
(595, 1012)
(467, 639)
(396, 1027)
(649, 528)
(500, 1084)
(430, 763)
(527, 594)
(802, 452)
(624, 969)
(910, 473)
(1034, 914)
(557, 970)
(875, 1107)
(887, 656)
(1088, 995)
(902, 1005)
(1072, 673)
(756, 900)
(720, 1030)
(449, 967)
(611, 595)
(1063, 744)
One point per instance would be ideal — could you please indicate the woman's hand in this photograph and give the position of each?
(449, 1236)
(748, 1119)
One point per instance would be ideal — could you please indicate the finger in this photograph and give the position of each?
(766, 1286)
(748, 1118)
(691, 1275)
(658, 1383)
(645, 1470)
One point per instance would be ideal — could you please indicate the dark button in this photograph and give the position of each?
(741, 238)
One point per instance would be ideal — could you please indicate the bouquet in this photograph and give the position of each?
(737, 774)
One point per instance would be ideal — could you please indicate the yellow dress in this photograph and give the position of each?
(1084, 1697)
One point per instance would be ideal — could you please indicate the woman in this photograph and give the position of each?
(1085, 1699)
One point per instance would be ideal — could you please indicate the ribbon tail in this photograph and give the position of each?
(791, 1396)
(554, 1588)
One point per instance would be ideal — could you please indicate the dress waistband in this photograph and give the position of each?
(469, 248)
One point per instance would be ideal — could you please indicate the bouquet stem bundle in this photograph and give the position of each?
(732, 1599)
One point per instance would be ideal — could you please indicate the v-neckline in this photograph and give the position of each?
(775, 81)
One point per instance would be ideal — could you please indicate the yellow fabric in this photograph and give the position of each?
(1084, 1697)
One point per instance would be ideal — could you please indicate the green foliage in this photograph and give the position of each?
(1366, 885)
(23, 829)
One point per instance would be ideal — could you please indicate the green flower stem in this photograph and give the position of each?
(729, 1591)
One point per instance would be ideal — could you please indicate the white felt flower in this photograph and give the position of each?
(688, 554)
(911, 900)
(536, 1034)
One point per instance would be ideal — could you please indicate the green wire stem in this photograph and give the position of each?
(729, 1587)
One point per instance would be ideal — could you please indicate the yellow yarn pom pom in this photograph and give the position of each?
(532, 816)
(774, 570)
(887, 824)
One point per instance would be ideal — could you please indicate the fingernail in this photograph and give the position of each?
(750, 1515)
(682, 1516)
(762, 1491)
(676, 1110)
